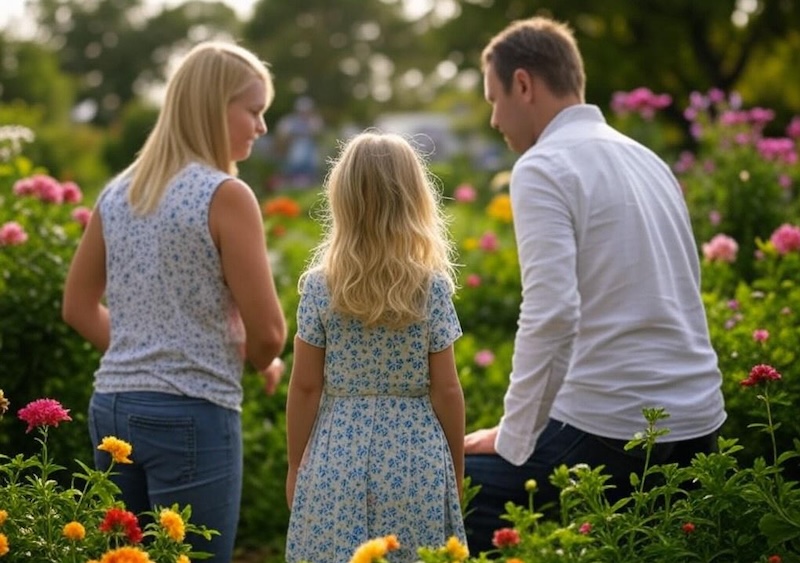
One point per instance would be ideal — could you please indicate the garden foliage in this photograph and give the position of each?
(741, 190)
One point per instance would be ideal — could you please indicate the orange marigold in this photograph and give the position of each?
(281, 205)
(126, 555)
(183, 559)
(3, 545)
(120, 450)
(173, 524)
(500, 208)
(3, 517)
(74, 531)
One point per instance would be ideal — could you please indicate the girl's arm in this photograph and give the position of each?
(82, 307)
(448, 404)
(302, 405)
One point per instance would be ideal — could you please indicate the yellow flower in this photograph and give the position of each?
(371, 550)
(471, 243)
(3, 544)
(183, 559)
(74, 531)
(500, 208)
(173, 524)
(126, 555)
(514, 560)
(531, 485)
(119, 449)
(3, 517)
(456, 549)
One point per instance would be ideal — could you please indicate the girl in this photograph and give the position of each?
(375, 412)
(176, 247)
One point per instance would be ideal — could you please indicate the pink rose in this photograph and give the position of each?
(786, 238)
(71, 192)
(82, 215)
(12, 234)
(721, 248)
(465, 193)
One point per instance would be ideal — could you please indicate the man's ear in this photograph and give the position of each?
(523, 81)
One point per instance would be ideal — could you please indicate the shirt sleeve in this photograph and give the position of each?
(444, 326)
(546, 244)
(313, 300)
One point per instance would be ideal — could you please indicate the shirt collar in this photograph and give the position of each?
(572, 114)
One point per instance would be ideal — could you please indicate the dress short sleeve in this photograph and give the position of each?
(444, 326)
(313, 300)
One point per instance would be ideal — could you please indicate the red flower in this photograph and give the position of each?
(774, 559)
(505, 537)
(761, 374)
(585, 528)
(688, 528)
(43, 412)
(121, 520)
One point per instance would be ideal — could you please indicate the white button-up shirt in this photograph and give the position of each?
(611, 319)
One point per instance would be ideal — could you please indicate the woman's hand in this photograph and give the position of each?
(272, 375)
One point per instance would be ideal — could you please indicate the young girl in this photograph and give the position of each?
(375, 411)
(176, 247)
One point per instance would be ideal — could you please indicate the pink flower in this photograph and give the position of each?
(71, 192)
(505, 537)
(473, 280)
(786, 238)
(484, 358)
(760, 335)
(714, 217)
(761, 373)
(465, 193)
(489, 242)
(43, 412)
(585, 528)
(82, 215)
(721, 248)
(12, 234)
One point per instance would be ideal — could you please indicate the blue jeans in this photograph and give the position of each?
(186, 451)
(559, 444)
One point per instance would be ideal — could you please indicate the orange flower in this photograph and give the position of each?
(183, 559)
(119, 449)
(3, 544)
(3, 517)
(173, 524)
(374, 550)
(74, 531)
(126, 555)
(281, 205)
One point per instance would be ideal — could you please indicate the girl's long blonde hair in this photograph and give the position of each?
(193, 123)
(385, 232)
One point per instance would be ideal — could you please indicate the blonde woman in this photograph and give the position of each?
(375, 412)
(175, 248)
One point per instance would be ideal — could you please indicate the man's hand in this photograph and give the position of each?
(481, 441)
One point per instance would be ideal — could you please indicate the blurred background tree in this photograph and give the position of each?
(103, 62)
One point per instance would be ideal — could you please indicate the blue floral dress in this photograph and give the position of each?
(377, 461)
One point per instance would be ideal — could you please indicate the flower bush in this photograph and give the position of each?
(713, 510)
(43, 522)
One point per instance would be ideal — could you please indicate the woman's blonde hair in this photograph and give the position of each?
(385, 232)
(193, 124)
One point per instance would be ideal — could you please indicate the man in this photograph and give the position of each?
(611, 320)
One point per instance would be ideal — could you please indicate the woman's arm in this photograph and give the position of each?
(82, 307)
(448, 404)
(237, 228)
